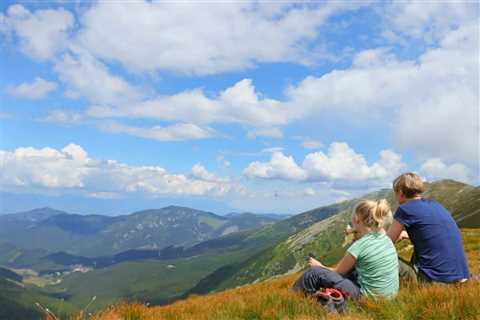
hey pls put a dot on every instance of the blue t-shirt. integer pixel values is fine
(436, 238)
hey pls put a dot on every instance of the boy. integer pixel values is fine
(438, 247)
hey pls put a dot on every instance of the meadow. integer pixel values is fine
(273, 299)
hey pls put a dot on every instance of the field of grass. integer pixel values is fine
(272, 299)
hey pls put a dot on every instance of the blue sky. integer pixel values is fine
(111, 107)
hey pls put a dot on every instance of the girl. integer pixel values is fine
(372, 256)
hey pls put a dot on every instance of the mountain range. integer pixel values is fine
(96, 235)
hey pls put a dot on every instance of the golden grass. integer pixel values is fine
(272, 299)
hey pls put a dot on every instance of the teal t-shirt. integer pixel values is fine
(376, 265)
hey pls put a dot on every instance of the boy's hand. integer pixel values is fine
(403, 236)
(314, 262)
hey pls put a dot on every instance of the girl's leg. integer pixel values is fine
(317, 277)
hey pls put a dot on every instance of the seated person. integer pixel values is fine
(372, 255)
(438, 247)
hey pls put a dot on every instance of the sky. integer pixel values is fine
(115, 106)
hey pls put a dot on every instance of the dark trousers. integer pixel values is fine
(316, 278)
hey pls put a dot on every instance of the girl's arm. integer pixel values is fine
(343, 267)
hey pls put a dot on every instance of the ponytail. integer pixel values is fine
(373, 214)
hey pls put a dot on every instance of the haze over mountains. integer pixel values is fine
(165, 254)
(96, 235)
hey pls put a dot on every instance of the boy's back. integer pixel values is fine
(438, 244)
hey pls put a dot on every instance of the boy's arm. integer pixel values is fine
(395, 231)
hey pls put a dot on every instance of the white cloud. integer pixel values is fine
(439, 90)
(175, 132)
(237, 104)
(343, 163)
(279, 167)
(430, 103)
(28, 169)
(37, 89)
(434, 169)
(88, 78)
(194, 38)
(45, 167)
(41, 34)
(428, 20)
(265, 132)
(340, 164)
(199, 172)
(64, 117)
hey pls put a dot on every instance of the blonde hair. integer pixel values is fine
(373, 214)
(410, 184)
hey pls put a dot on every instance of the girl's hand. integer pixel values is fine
(314, 262)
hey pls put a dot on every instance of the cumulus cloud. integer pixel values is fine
(439, 90)
(427, 20)
(223, 37)
(41, 34)
(45, 167)
(432, 101)
(237, 104)
(37, 89)
(434, 169)
(279, 167)
(340, 164)
(200, 172)
(28, 169)
(175, 132)
(86, 77)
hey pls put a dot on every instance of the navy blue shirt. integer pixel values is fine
(436, 238)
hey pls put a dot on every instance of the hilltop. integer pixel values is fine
(324, 237)
(272, 299)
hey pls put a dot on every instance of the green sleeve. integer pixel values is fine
(356, 248)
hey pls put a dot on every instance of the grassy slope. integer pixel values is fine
(272, 299)
(157, 282)
(323, 238)
(17, 301)
(152, 281)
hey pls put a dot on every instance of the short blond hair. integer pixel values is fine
(409, 184)
(373, 213)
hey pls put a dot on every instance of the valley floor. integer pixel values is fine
(272, 299)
